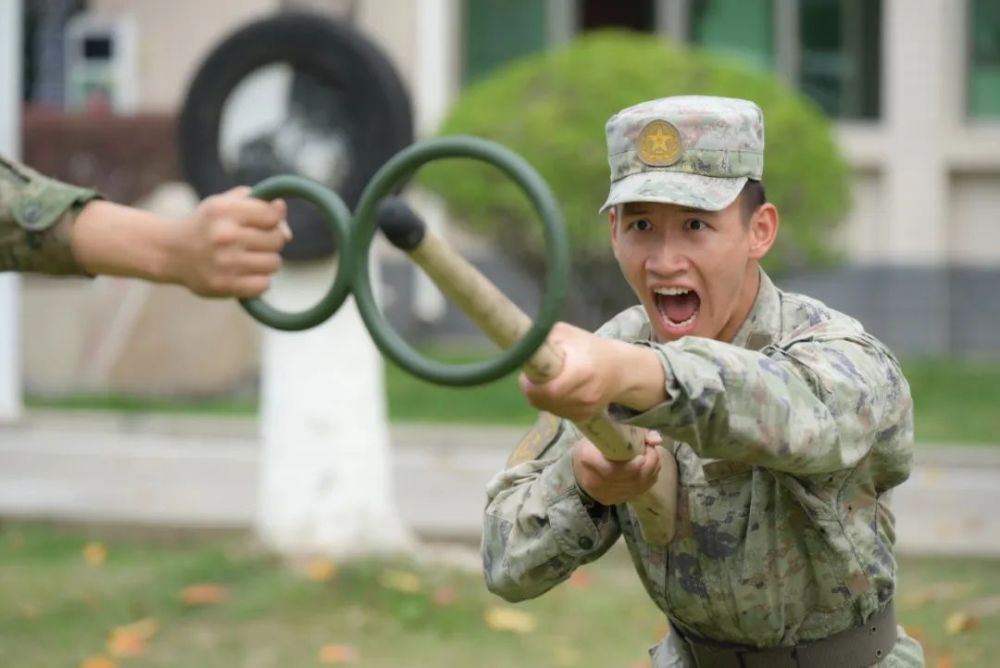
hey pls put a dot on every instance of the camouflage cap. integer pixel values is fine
(690, 150)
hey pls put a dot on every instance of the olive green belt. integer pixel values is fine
(857, 647)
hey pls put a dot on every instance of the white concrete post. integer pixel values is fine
(10, 284)
(325, 485)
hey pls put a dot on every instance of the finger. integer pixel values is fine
(248, 211)
(251, 286)
(238, 191)
(651, 463)
(653, 438)
(286, 230)
(254, 239)
(250, 263)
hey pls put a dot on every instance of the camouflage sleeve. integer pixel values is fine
(812, 406)
(36, 215)
(536, 528)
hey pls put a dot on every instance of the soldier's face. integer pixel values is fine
(695, 272)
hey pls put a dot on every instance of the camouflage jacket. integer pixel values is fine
(787, 442)
(36, 215)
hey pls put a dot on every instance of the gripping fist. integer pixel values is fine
(609, 482)
(229, 246)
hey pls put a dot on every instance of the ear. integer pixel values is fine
(763, 230)
(613, 226)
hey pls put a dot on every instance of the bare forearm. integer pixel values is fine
(638, 376)
(228, 247)
(117, 240)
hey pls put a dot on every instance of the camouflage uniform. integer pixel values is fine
(787, 440)
(36, 216)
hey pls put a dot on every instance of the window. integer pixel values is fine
(984, 70)
(829, 48)
(634, 14)
(840, 64)
(740, 28)
(497, 31)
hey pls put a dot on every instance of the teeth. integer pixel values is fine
(672, 292)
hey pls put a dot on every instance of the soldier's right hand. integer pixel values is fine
(609, 482)
(229, 246)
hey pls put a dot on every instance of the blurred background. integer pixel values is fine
(132, 416)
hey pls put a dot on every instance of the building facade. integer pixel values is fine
(912, 85)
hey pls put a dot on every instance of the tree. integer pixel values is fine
(551, 108)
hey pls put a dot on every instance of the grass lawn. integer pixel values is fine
(954, 402)
(63, 601)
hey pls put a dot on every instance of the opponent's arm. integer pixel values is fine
(229, 246)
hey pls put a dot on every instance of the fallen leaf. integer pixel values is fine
(145, 628)
(131, 639)
(95, 554)
(98, 662)
(203, 594)
(960, 622)
(641, 664)
(321, 570)
(404, 581)
(27, 611)
(334, 653)
(124, 644)
(581, 579)
(945, 662)
(564, 655)
(444, 596)
(506, 619)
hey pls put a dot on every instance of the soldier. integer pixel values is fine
(789, 422)
(227, 248)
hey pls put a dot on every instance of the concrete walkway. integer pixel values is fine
(202, 471)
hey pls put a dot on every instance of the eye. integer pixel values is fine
(641, 225)
(696, 225)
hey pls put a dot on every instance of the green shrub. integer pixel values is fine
(551, 108)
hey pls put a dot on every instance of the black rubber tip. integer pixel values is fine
(400, 224)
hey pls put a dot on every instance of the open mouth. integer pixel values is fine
(678, 308)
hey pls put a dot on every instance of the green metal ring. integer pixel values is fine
(339, 217)
(394, 172)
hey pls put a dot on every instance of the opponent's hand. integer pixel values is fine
(596, 371)
(609, 482)
(229, 246)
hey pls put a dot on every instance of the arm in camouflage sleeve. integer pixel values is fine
(536, 527)
(813, 406)
(36, 217)
(228, 247)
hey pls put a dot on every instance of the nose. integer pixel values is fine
(668, 260)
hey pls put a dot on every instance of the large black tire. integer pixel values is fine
(376, 117)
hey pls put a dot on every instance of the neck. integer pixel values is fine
(746, 301)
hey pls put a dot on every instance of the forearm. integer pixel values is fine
(807, 409)
(639, 382)
(117, 240)
(536, 529)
